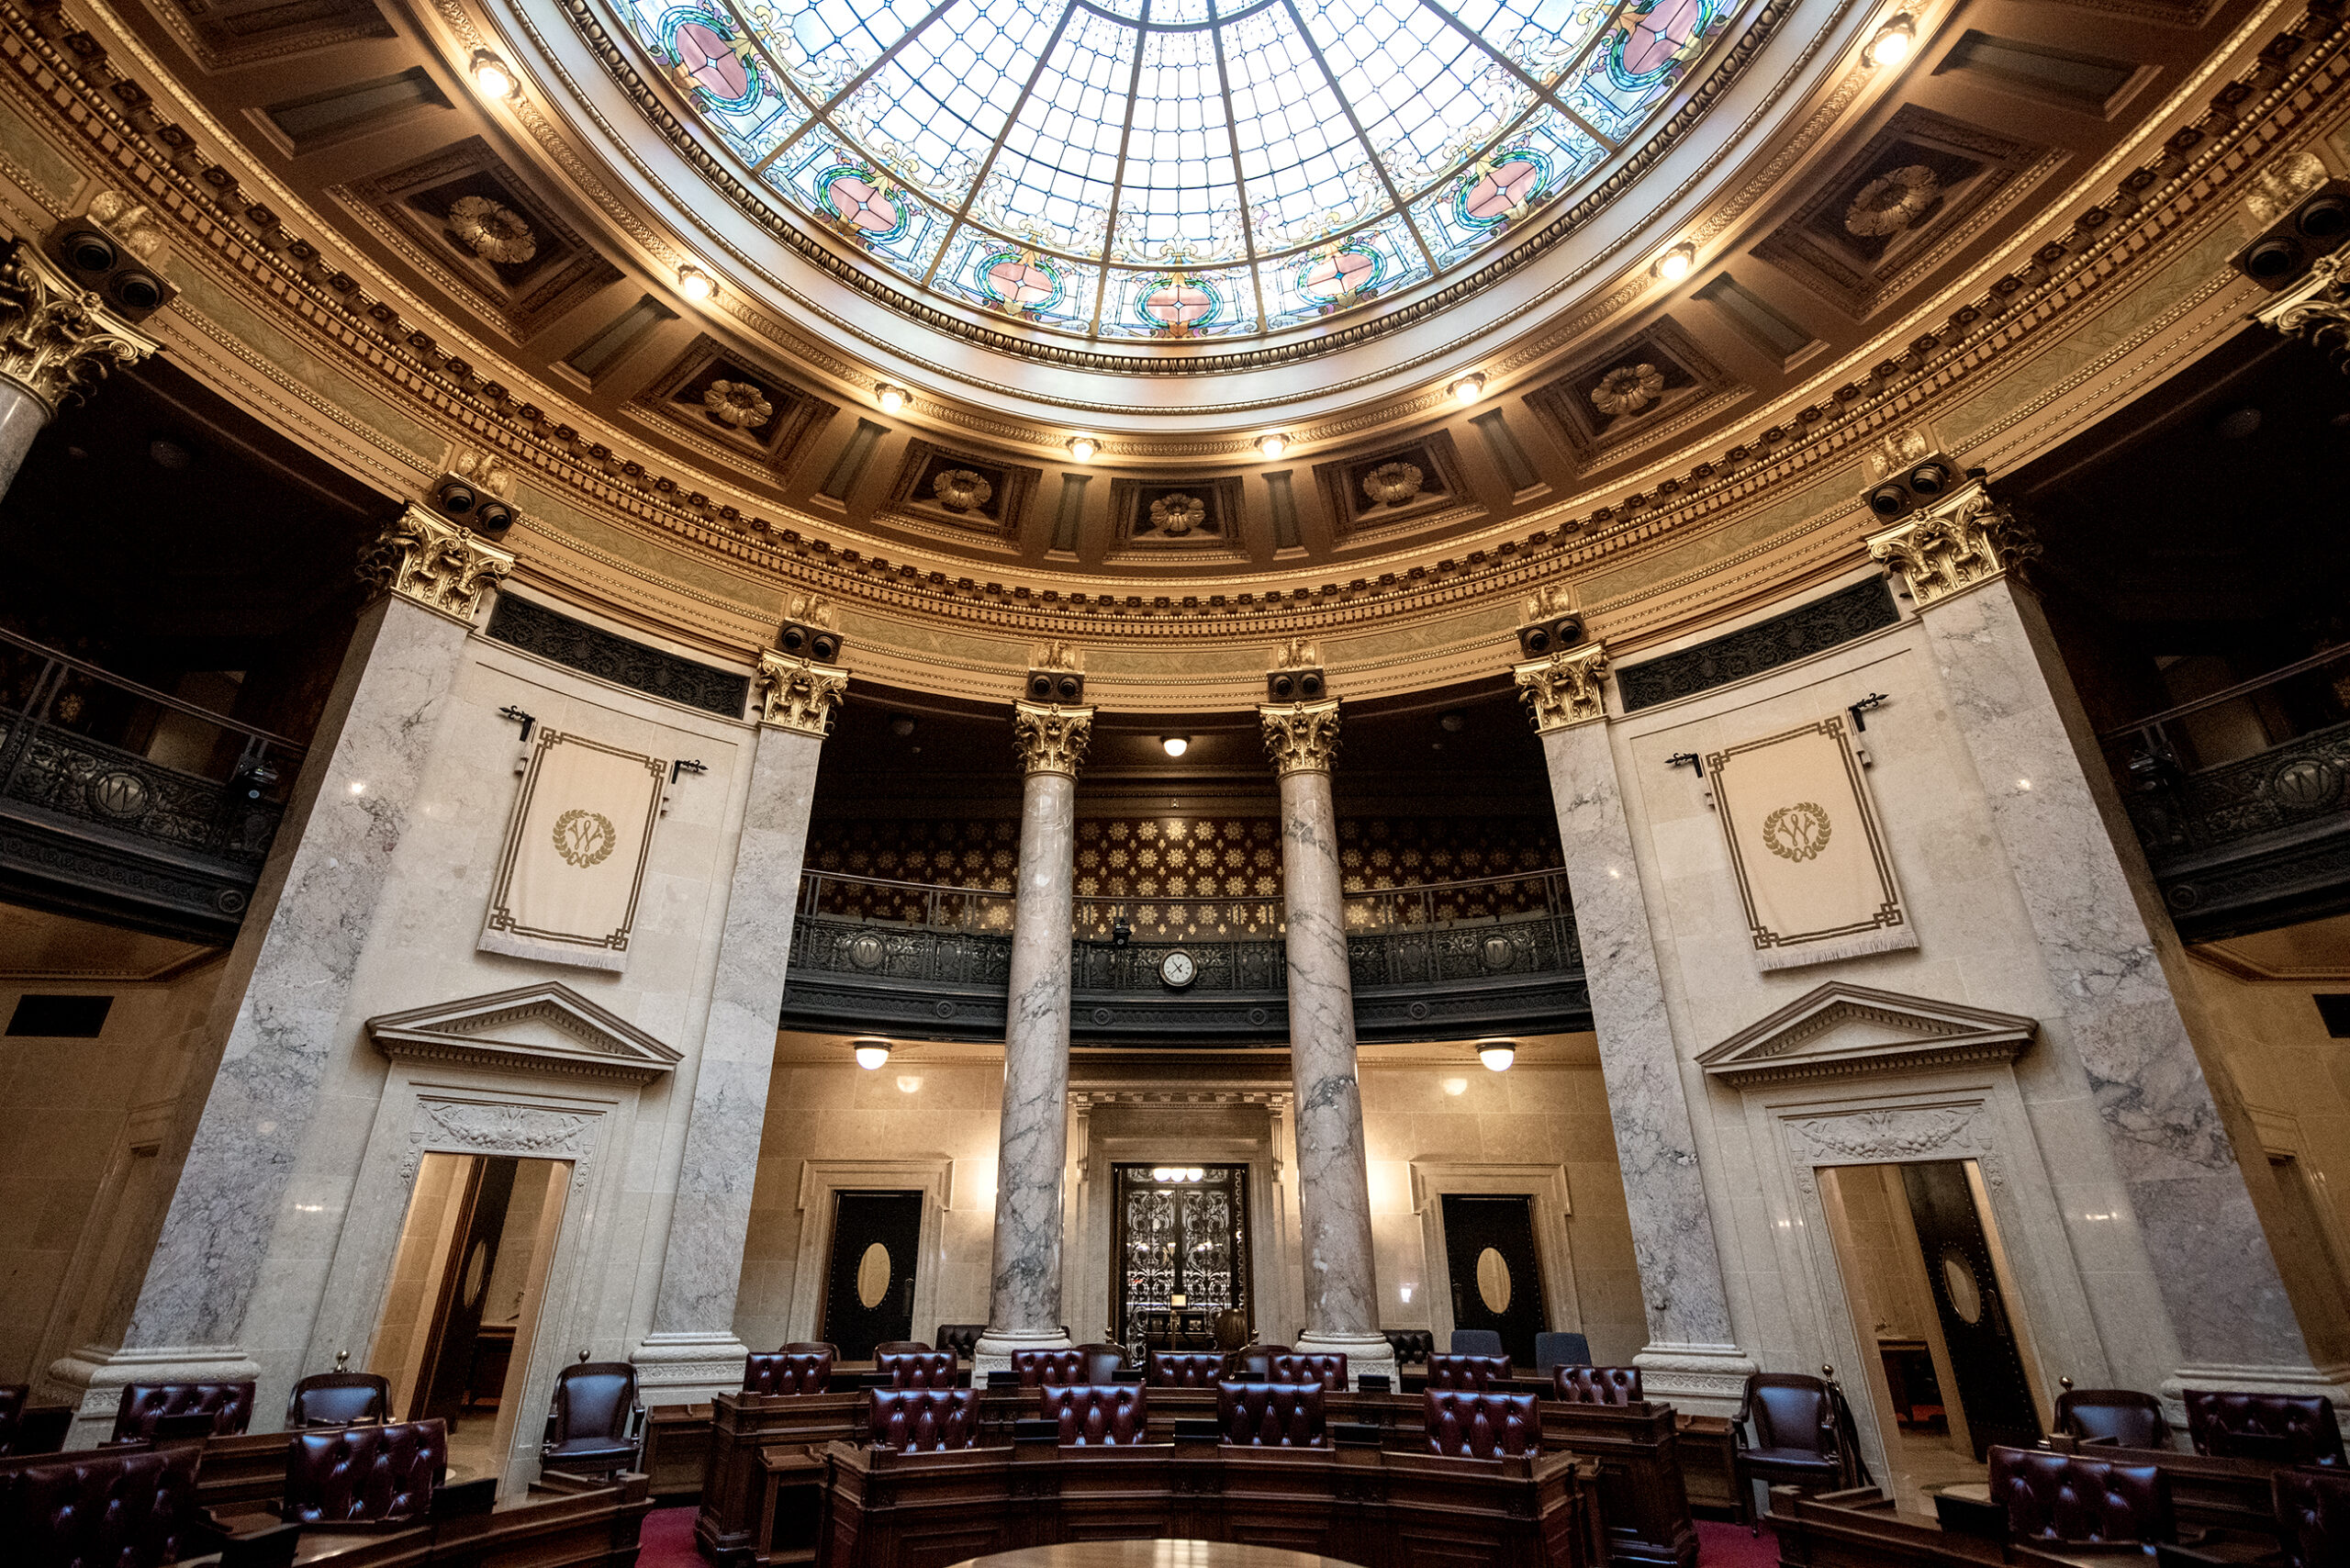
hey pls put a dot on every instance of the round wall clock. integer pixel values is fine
(1178, 969)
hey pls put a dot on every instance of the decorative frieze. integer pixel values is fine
(1049, 737)
(1301, 737)
(799, 694)
(440, 566)
(1969, 539)
(1564, 689)
(1798, 633)
(57, 341)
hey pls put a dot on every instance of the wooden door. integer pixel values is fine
(1496, 1271)
(869, 1286)
(464, 1289)
(1984, 1355)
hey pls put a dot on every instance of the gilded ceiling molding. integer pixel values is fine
(1965, 541)
(1049, 737)
(423, 557)
(57, 340)
(799, 694)
(1563, 690)
(1301, 737)
(2317, 308)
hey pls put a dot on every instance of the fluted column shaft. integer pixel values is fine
(1025, 1286)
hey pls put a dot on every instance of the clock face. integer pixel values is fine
(1176, 969)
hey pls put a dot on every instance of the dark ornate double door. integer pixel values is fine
(1179, 1255)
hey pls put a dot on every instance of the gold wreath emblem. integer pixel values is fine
(1797, 833)
(585, 838)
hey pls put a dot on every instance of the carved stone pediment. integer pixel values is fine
(1843, 1030)
(546, 1027)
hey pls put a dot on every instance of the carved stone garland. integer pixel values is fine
(57, 341)
(526, 1132)
(1967, 539)
(796, 694)
(1049, 737)
(1302, 737)
(440, 566)
(1564, 689)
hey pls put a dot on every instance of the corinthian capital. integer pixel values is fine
(435, 562)
(798, 694)
(1301, 737)
(2316, 306)
(1050, 738)
(1563, 690)
(1965, 540)
(57, 340)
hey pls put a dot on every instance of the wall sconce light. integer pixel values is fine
(1083, 447)
(1272, 445)
(1470, 387)
(695, 283)
(491, 75)
(889, 398)
(1893, 42)
(1176, 745)
(1497, 1055)
(1675, 264)
(872, 1055)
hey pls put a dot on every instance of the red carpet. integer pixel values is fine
(669, 1543)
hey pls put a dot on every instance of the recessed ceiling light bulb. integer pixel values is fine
(1272, 445)
(871, 1055)
(1470, 387)
(890, 398)
(1082, 448)
(492, 77)
(1675, 264)
(1497, 1055)
(1176, 745)
(1891, 45)
(695, 283)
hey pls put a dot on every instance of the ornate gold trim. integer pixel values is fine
(440, 566)
(1049, 737)
(1301, 737)
(1963, 541)
(1563, 690)
(799, 694)
(2317, 307)
(57, 340)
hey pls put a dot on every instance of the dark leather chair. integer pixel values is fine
(917, 1369)
(925, 1420)
(231, 1405)
(1466, 1371)
(120, 1510)
(787, 1372)
(370, 1474)
(2071, 1498)
(899, 1347)
(1098, 1414)
(2123, 1418)
(1183, 1369)
(1477, 1342)
(1328, 1368)
(1254, 1363)
(1801, 1437)
(38, 1429)
(1231, 1330)
(1270, 1414)
(595, 1425)
(1480, 1424)
(2283, 1429)
(1594, 1385)
(962, 1339)
(809, 1348)
(1560, 1349)
(1103, 1363)
(338, 1399)
(1412, 1346)
(1047, 1368)
(2312, 1516)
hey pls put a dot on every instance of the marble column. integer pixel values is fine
(291, 970)
(1333, 1179)
(692, 1352)
(1691, 1356)
(2103, 939)
(1025, 1286)
(57, 341)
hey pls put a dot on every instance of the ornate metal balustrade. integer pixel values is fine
(91, 822)
(921, 961)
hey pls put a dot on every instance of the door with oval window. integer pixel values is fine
(869, 1287)
(1496, 1273)
(1983, 1353)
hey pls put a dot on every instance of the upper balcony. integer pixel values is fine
(1446, 961)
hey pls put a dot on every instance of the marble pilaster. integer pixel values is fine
(1024, 1284)
(2057, 825)
(1333, 1175)
(692, 1351)
(57, 341)
(291, 972)
(1691, 1356)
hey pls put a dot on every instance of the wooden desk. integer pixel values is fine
(1375, 1507)
(591, 1529)
(1150, 1554)
(1864, 1529)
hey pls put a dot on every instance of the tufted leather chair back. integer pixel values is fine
(925, 1420)
(1791, 1410)
(897, 1348)
(1254, 1363)
(1048, 1367)
(231, 1405)
(962, 1339)
(1479, 1424)
(2284, 1428)
(1412, 1346)
(2313, 1517)
(1328, 1368)
(1466, 1371)
(1099, 1414)
(811, 1348)
(2067, 1497)
(338, 1399)
(787, 1372)
(593, 1400)
(917, 1369)
(100, 1510)
(2123, 1416)
(1595, 1385)
(1184, 1369)
(365, 1474)
(1269, 1415)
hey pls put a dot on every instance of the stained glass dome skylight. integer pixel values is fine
(1173, 169)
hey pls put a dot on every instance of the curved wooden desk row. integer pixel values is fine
(765, 1476)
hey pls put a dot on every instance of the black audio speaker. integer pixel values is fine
(1296, 685)
(1064, 686)
(2318, 227)
(105, 266)
(1540, 639)
(1899, 494)
(820, 643)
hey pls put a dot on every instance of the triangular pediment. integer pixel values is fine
(1841, 1029)
(547, 1027)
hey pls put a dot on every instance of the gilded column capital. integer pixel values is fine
(1049, 737)
(2316, 306)
(1563, 690)
(1965, 541)
(799, 694)
(1301, 737)
(57, 339)
(432, 561)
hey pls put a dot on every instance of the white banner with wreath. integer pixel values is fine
(573, 865)
(1808, 849)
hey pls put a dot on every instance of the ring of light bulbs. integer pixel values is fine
(1177, 1173)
